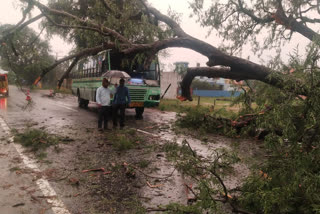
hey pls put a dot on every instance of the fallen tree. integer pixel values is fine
(135, 28)
(237, 68)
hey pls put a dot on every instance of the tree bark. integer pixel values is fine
(66, 74)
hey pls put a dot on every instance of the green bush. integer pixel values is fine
(35, 139)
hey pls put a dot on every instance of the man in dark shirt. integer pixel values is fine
(120, 100)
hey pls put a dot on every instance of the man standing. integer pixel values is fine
(120, 100)
(103, 101)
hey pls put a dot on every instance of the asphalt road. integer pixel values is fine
(22, 189)
(28, 185)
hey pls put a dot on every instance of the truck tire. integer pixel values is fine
(139, 113)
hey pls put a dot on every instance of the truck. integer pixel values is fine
(4, 86)
(143, 84)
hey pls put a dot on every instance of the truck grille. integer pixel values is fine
(137, 94)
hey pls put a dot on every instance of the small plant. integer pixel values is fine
(207, 173)
(13, 169)
(144, 163)
(41, 155)
(122, 143)
(125, 140)
(37, 141)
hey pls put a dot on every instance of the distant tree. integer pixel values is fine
(25, 54)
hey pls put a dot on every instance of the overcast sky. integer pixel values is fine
(10, 13)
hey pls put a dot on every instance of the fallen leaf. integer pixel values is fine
(154, 186)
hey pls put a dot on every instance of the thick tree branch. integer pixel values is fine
(240, 69)
(66, 74)
(292, 24)
(85, 52)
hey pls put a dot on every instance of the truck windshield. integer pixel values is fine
(139, 72)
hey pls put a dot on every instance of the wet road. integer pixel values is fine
(23, 189)
(23, 182)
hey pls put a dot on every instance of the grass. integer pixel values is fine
(144, 163)
(37, 141)
(213, 103)
(13, 169)
(63, 91)
(125, 140)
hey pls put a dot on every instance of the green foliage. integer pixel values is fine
(12, 77)
(199, 118)
(208, 172)
(289, 181)
(36, 140)
(125, 140)
(252, 23)
(24, 54)
(139, 27)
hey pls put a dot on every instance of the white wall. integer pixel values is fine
(167, 78)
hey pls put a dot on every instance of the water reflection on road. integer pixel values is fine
(3, 103)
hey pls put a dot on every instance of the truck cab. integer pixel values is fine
(4, 86)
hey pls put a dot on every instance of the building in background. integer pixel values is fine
(170, 84)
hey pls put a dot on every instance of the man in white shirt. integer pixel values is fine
(103, 101)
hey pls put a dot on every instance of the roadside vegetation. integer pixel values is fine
(37, 141)
(125, 139)
(209, 103)
(288, 179)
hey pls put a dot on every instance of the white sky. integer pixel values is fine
(10, 13)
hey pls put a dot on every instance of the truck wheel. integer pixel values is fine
(82, 103)
(139, 112)
(85, 103)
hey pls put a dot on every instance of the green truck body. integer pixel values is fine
(141, 95)
(144, 85)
